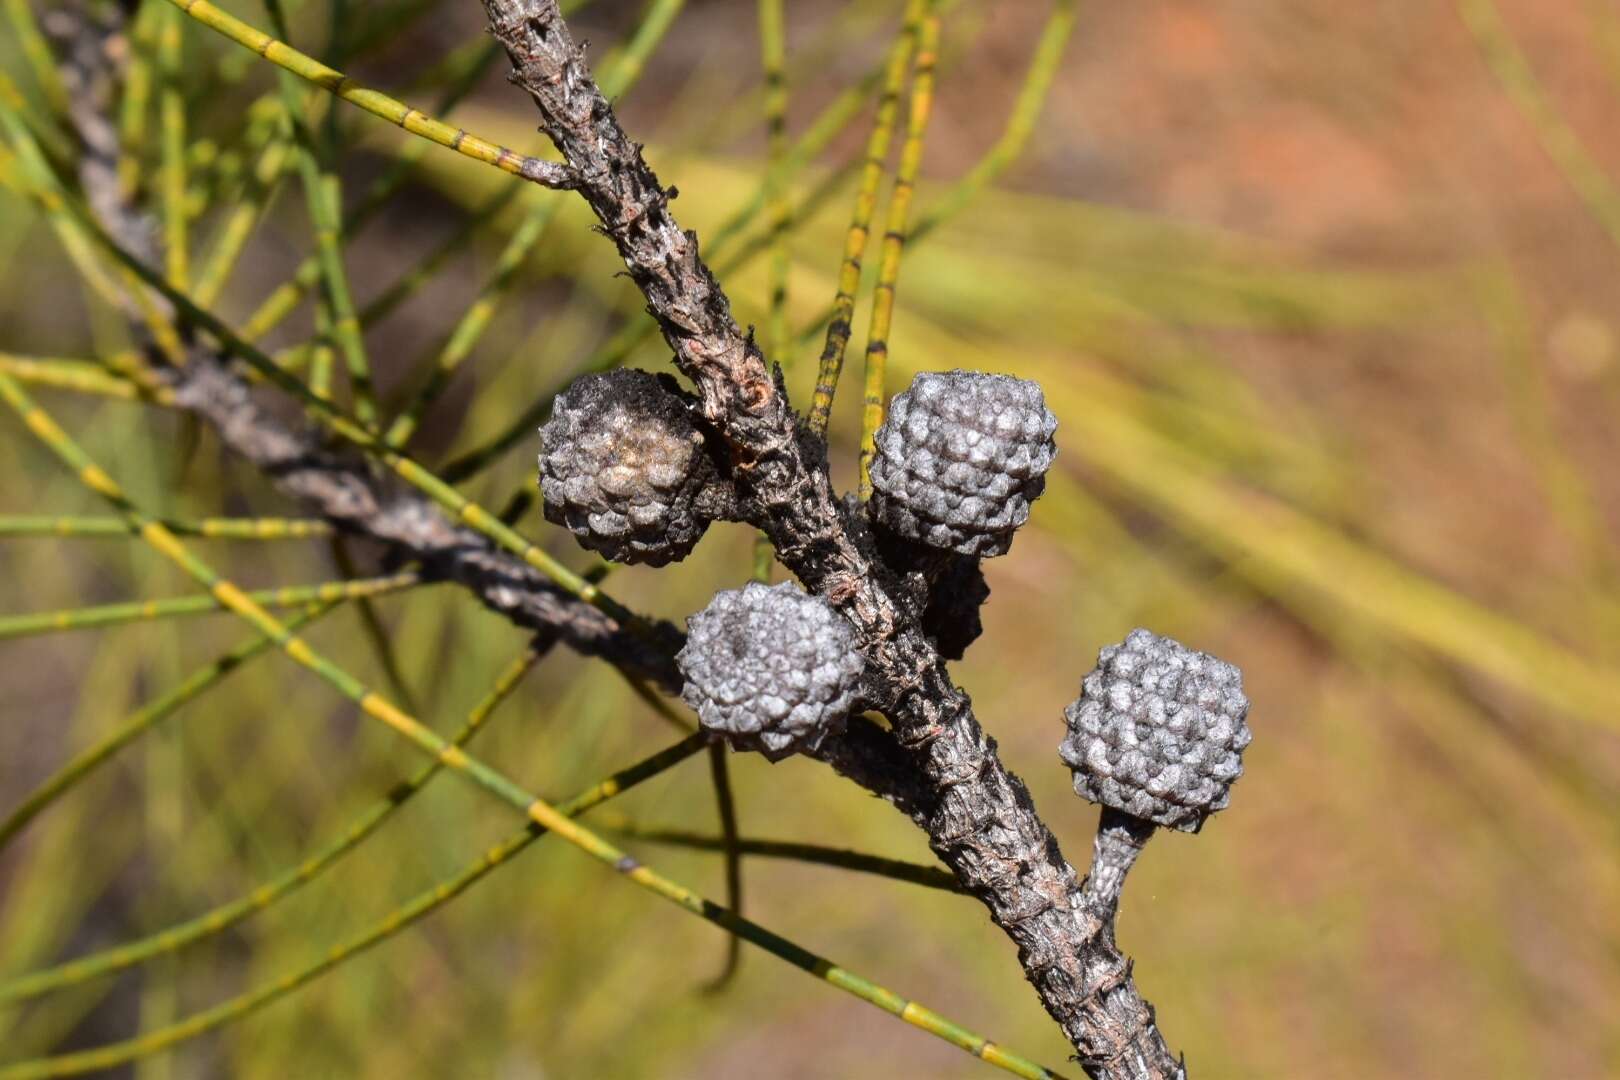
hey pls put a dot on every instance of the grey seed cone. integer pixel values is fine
(960, 457)
(1158, 731)
(622, 467)
(770, 668)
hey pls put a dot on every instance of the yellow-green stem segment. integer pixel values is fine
(894, 239)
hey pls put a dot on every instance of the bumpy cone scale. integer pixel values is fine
(959, 458)
(625, 469)
(1158, 731)
(770, 668)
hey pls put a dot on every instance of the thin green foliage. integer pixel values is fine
(1036, 86)
(619, 75)
(172, 129)
(378, 104)
(35, 50)
(860, 226)
(137, 724)
(323, 199)
(894, 239)
(400, 919)
(224, 916)
(288, 596)
(932, 877)
(16, 525)
(284, 299)
(81, 377)
(1507, 62)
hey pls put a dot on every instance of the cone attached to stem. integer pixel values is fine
(770, 668)
(959, 458)
(625, 469)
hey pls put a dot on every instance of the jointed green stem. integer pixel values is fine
(239, 223)
(465, 510)
(24, 169)
(137, 96)
(320, 353)
(1557, 138)
(933, 877)
(172, 125)
(291, 596)
(285, 297)
(229, 914)
(726, 806)
(470, 328)
(613, 352)
(817, 137)
(81, 377)
(13, 525)
(894, 239)
(1032, 94)
(322, 196)
(141, 721)
(378, 104)
(423, 904)
(413, 279)
(619, 74)
(230, 596)
(51, 139)
(831, 366)
(37, 54)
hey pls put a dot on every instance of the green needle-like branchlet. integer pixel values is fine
(141, 721)
(232, 237)
(172, 147)
(375, 102)
(620, 73)
(291, 596)
(1015, 133)
(538, 811)
(396, 921)
(81, 377)
(933, 877)
(136, 101)
(232, 912)
(463, 509)
(37, 53)
(70, 527)
(1560, 141)
(894, 240)
(322, 197)
(51, 139)
(284, 299)
(831, 365)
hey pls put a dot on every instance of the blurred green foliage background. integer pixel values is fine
(1323, 298)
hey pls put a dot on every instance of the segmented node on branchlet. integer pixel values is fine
(770, 668)
(960, 457)
(623, 466)
(1158, 731)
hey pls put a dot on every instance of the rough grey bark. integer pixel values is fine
(983, 826)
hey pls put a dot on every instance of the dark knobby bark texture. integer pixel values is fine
(982, 823)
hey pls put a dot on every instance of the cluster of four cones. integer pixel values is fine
(1157, 733)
